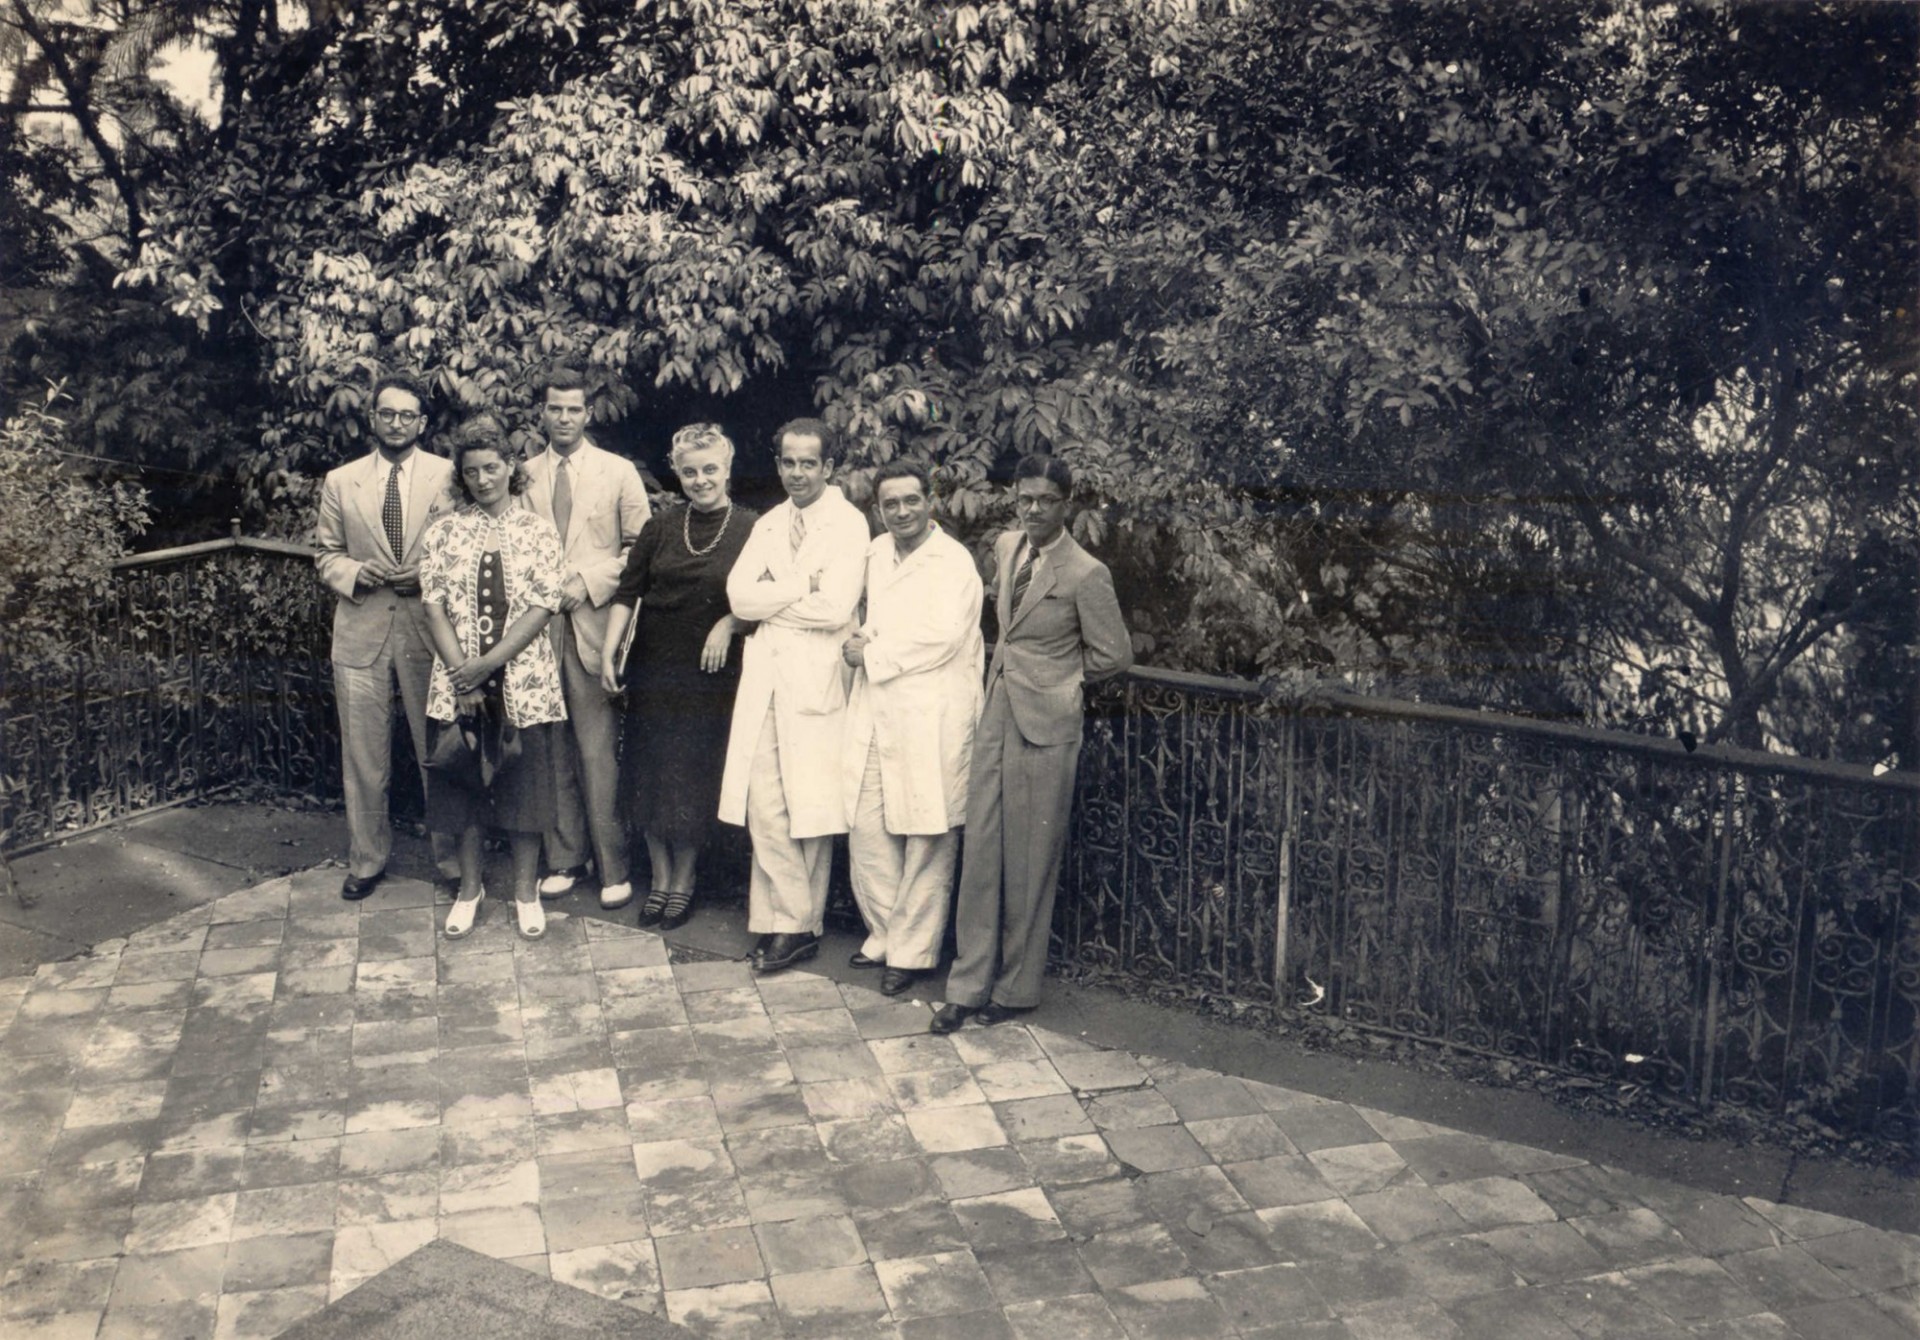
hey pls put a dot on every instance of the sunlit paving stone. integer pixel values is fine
(735, 1310)
(785, 1156)
(914, 1052)
(1094, 1071)
(930, 1090)
(868, 1139)
(1068, 1159)
(980, 1172)
(1004, 1081)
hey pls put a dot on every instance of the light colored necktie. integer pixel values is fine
(562, 498)
(797, 532)
(392, 519)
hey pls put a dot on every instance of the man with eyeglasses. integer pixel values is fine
(597, 505)
(1060, 627)
(373, 512)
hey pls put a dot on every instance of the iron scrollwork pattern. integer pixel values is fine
(1715, 930)
(206, 670)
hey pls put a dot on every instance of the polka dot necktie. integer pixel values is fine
(391, 518)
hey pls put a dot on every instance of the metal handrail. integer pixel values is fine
(1325, 696)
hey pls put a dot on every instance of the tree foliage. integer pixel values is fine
(60, 532)
(1554, 357)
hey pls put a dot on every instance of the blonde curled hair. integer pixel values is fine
(699, 437)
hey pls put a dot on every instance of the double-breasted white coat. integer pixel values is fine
(791, 665)
(919, 696)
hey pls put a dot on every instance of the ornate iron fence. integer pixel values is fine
(208, 669)
(1724, 927)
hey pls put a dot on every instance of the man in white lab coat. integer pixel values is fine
(799, 579)
(919, 662)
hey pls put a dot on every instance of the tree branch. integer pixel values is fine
(89, 123)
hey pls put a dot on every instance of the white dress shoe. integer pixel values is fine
(558, 886)
(615, 895)
(530, 917)
(460, 916)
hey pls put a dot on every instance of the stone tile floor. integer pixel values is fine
(221, 1123)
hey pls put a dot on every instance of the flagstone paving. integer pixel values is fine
(221, 1123)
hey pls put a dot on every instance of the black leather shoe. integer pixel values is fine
(785, 950)
(860, 960)
(994, 1013)
(948, 1018)
(355, 887)
(895, 980)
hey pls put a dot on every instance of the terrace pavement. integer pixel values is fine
(221, 1123)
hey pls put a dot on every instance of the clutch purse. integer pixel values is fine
(473, 750)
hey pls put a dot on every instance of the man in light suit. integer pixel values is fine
(910, 724)
(597, 505)
(1060, 626)
(373, 512)
(799, 579)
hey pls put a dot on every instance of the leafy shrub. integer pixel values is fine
(60, 533)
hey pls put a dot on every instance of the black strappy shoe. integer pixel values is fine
(655, 907)
(679, 908)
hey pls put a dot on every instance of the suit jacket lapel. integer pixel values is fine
(1044, 577)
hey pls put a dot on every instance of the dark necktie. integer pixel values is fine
(1022, 580)
(391, 519)
(562, 498)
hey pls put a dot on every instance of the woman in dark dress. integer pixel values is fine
(683, 666)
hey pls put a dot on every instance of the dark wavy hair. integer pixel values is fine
(483, 432)
(905, 467)
(829, 437)
(1041, 466)
(400, 381)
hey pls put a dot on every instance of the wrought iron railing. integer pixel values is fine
(1720, 926)
(207, 670)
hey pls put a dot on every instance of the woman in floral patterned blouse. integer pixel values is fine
(490, 581)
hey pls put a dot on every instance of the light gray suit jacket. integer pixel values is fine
(609, 508)
(1068, 630)
(349, 532)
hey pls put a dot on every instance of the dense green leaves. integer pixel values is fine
(1555, 358)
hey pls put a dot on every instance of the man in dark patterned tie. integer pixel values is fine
(1060, 627)
(373, 512)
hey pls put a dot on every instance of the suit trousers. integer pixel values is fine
(787, 891)
(364, 695)
(586, 770)
(1019, 801)
(902, 883)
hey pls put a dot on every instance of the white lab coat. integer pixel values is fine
(919, 696)
(791, 664)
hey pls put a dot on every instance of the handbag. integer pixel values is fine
(474, 749)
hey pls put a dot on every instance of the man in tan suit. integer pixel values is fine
(1060, 626)
(373, 512)
(597, 505)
